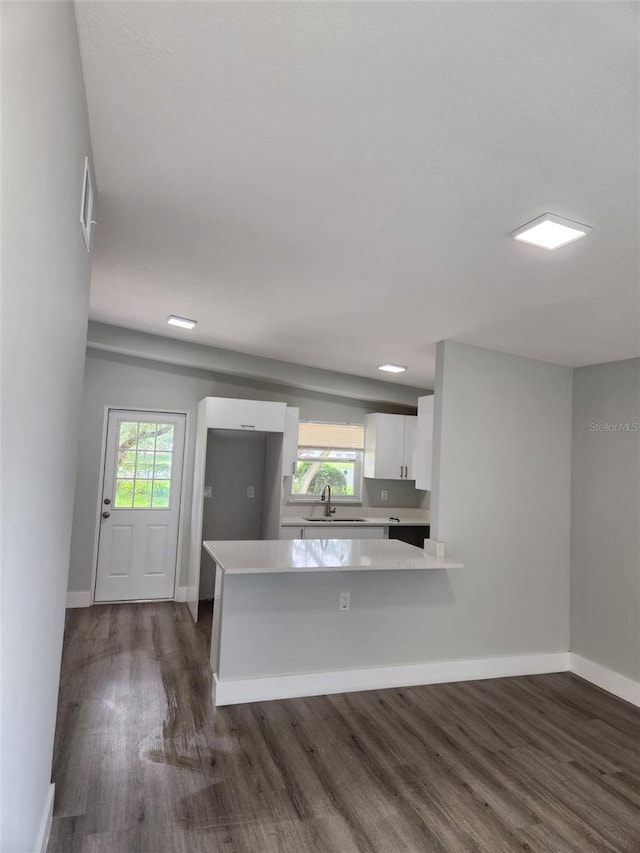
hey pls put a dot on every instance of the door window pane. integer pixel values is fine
(142, 493)
(128, 434)
(124, 494)
(163, 466)
(127, 464)
(164, 440)
(143, 465)
(161, 489)
(147, 436)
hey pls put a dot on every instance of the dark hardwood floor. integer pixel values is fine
(144, 763)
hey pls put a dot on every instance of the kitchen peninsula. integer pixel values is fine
(277, 627)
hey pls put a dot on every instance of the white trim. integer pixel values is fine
(609, 680)
(237, 691)
(42, 839)
(181, 512)
(79, 599)
(181, 593)
(96, 532)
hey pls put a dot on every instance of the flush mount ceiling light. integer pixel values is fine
(550, 231)
(182, 322)
(392, 368)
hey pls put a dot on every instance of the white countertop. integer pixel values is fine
(266, 556)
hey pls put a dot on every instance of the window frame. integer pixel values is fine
(358, 472)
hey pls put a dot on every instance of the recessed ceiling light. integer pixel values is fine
(181, 321)
(392, 368)
(550, 231)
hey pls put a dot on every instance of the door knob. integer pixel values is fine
(106, 514)
(107, 501)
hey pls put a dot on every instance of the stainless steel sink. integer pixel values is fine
(336, 520)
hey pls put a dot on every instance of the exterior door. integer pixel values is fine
(140, 508)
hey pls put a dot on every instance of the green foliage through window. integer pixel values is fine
(328, 454)
(143, 474)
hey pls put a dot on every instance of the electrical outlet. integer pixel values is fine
(251, 492)
(345, 601)
(384, 495)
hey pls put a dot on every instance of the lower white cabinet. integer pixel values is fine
(333, 531)
(292, 532)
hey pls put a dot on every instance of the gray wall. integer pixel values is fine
(235, 460)
(400, 493)
(605, 548)
(501, 500)
(119, 380)
(45, 288)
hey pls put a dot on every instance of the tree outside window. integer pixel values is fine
(329, 454)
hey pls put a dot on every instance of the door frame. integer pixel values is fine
(181, 514)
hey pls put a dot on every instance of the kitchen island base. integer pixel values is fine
(278, 630)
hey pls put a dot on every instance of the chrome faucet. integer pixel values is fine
(326, 496)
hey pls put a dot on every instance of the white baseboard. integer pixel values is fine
(79, 599)
(620, 685)
(45, 823)
(238, 691)
(181, 593)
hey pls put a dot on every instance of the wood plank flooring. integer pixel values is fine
(144, 764)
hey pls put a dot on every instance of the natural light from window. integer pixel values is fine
(329, 454)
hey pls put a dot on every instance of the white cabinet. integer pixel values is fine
(333, 531)
(290, 441)
(253, 415)
(424, 443)
(389, 442)
(292, 532)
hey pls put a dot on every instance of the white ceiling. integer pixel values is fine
(333, 184)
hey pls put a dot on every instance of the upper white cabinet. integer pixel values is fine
(389, 446)
(290, 441)
(424, 443)
(253, 415)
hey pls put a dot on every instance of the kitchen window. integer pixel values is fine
(328, 454)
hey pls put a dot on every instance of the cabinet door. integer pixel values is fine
(355, 532)
(424, 443)
(250, 415)
(290, 442)
(289, 532)
(384, 447)
(409, 453)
